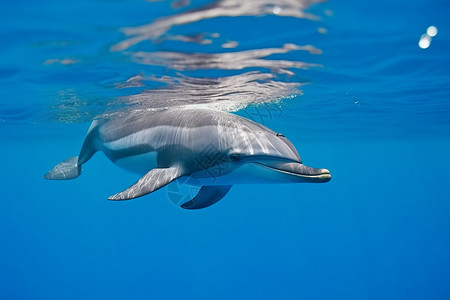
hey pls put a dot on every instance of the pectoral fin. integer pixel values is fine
(207, 196)
(150, 182)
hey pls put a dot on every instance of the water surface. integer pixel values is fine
(347, 83)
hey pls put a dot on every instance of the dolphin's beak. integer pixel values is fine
(312, 174)
(303, 172)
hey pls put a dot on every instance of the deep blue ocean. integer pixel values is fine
(360, 88)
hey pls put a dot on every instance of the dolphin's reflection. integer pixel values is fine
(220, 8)
(271, 83)
(226, 61)
(223, 93)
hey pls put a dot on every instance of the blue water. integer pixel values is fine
(376, 114)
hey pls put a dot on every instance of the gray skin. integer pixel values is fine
(214, 148)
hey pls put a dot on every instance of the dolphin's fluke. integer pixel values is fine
(150, 182)
(207, 196)
(67, 169)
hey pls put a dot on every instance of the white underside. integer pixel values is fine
(139, 164)
(252, 173)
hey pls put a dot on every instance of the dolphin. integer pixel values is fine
(210, 148)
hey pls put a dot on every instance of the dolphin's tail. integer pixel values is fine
(71, 167)
(67, 169)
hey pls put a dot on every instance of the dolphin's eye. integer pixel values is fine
(280, 135)
(234, 157)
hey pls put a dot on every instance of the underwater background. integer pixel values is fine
(360, 88)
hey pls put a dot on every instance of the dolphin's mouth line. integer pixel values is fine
(321, 175)
(324, 175)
